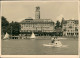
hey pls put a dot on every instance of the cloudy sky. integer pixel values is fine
(17, 11)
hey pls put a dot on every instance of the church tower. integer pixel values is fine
(37, 13)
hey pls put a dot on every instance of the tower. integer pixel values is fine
(37, 13)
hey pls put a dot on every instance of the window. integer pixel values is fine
(76, 33)
(64, 29)
(70, 26)
(67, 33)
(64, 24)
(72, 33)
(76, 29)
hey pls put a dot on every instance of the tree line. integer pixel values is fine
(12, 28)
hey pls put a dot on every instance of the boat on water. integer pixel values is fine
(55, 44)
(32, 36)
(6, 36)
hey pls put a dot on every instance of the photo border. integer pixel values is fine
(48, 56)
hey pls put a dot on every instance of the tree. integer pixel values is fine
(58, 24)
(14, 28)
(62, 22)
(8, 27)
(4, 24)
(4, 21)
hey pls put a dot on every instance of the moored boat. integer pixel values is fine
(6, 36)
(55, 44)
(33, 36)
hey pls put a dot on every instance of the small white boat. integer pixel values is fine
(6, 36)
(55, 44)
(33, 36)
(50, 44)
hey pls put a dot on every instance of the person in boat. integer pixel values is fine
(56, 39)
(53, 40)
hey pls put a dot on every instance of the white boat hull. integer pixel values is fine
(55, 44)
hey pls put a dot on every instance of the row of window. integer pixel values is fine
(72, 33)
(70, 30)
(70, 25)
(34, 26)
(36, 30)
(70, 21)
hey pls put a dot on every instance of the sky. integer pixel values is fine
(18, 11)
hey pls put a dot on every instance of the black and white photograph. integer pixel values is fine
(39, 28)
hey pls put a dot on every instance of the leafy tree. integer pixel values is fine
(14, 28)
(4, 24)
(11, 28)
(4, 21)
(58, 24)
(58, 29)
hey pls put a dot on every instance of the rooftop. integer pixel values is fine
(36, 21)
(66, 21)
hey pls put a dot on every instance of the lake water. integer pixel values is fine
(35, 47)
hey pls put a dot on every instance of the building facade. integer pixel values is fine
(38, 26)
(34, 25)
(70, 28)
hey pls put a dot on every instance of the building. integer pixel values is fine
(70, 28)
(34, 25)
(38, 26)
(37, 13)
